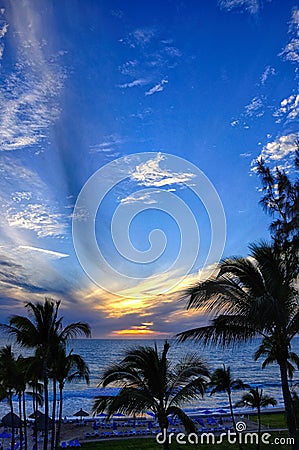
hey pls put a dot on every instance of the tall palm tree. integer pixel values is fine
(222, 381)
(8, 370)
(149, 381)
(44, 331)
(256, 399)
(69, 367)
(20, 388)
(34, 373)
(254, 296)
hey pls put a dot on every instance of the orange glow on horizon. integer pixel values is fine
(133, 332)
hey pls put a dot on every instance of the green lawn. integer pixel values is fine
(151, 444)
(275, 420)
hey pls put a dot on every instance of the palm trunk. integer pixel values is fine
(12, 420)
(53, 414)
(231, 411)
(163, 423)
(25, 421)
(59, 416)
(20, 414)
(34, 404)
(258, 427)
(46, 393)
(233, 418)
(288, 403)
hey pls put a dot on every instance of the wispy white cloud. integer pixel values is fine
(291, 50)
(250, 6)
(146, 198)
(50, 253)
(29, 94)
(157, 88)
(37, 218)
(27, 210)
(143, 35)
(289, 109)
(20, 196)
(255, 108)
(151, 174)
(234, 122)
(109, 145)
(158, 56)
(139, 37)
(129, 68)
(139, 197)
(278, 150)
(3, 30)
(134, 83)
(173, 52)
(269, 71)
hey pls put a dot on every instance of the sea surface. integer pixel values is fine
(98, 353)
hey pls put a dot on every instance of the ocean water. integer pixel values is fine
(98, 353)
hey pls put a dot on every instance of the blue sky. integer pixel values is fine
(161, 85)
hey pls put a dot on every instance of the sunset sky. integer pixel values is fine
(188, 94)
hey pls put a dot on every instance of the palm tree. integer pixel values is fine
(20, 388)
(256, 399)
(68, 368)
(268, 349)
(149, 381)
(8, 370)
(34, 373)
(222, 381)
(254, 296)
(44, 331)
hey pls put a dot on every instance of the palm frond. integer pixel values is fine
(182, 416)
(224, 330)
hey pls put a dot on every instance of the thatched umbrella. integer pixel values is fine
(81, 413)
(37, 413)
(41, 422)
(7, 420)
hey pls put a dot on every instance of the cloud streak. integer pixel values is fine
(37, 218)
(29, 95)
(151, 174)
(250, 6)
(291, 50)
(254, 108)
(50, 253)
(159, 87)
(269, 71)
(134, 83)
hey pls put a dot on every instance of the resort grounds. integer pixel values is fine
(127, 434)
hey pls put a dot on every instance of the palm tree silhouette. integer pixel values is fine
(222, 381)
(149, 381)
(256, 399)
(8, 371)
(44, 331)
(69, 367)
(269, 350)
(254, 296)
